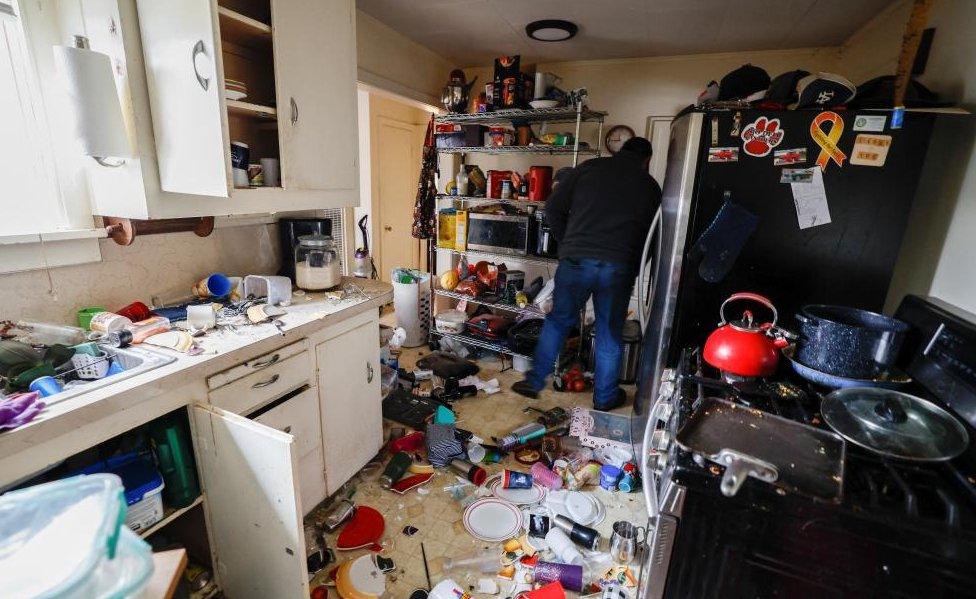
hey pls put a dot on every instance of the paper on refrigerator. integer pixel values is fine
(810, 200)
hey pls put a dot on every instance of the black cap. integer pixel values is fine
(743, 82)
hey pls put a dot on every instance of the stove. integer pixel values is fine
(899, 529)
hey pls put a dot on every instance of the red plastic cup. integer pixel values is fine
(135, 311)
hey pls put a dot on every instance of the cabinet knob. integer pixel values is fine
(387, 228)
(294, 111)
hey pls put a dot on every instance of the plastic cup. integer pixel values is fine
(46, 386)
(609, 475)
(553, 590)
(85, 316)
(216, 285)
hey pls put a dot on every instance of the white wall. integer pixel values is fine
(937, 255)
(390, 61)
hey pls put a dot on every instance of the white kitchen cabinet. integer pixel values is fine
(349, 395)
(315, 65)
(249, 475)
(171, 60)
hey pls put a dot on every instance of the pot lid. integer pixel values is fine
(894, 424)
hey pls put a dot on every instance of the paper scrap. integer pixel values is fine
(811, 202)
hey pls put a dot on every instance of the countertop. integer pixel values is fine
(149, 395)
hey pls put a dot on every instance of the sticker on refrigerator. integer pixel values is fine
(761, 136)
(723, 154)
(872, 123)
(796, 175)
(827, 138)
(870, 150)
(810, 200)
(791, 156)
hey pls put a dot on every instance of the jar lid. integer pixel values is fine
(317, 241)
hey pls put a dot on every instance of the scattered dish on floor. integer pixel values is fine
(517, 496)
(365, 529)
(360, 579)
(492, 520)
(411, 482)
(585, 508)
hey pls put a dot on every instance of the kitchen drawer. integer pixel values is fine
(259, 363)
(257, 389)
(311, 480)
(299, 417)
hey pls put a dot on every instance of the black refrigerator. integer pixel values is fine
(731, 221)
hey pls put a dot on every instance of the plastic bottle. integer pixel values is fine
(147, 328)
(174, 455)
(484, 561)
(395, 469)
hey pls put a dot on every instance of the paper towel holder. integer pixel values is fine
(81, 42)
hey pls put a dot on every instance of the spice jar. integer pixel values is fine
(316, 263)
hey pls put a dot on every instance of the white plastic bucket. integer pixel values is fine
(411, 302)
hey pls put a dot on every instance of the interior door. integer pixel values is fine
(186, 95)
(397, 164)
(315, 65)
(251, 491)
(352, 414)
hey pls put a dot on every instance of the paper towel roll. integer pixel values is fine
(94, 100)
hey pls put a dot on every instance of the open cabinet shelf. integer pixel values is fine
(243, 30)
(256, 111)
(171, 515)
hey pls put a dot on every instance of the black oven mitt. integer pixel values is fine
(720, 244)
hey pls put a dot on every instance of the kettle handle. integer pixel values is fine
(745, 295)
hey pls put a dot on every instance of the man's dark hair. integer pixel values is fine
(637, 146)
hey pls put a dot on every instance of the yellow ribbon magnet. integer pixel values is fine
(828, 141)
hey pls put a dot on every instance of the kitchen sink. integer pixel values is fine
(133, 360)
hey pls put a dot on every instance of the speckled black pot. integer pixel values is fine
(847, 341)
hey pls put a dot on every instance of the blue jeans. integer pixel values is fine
(610, 284)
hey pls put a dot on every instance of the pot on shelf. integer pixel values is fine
(848, 342)
(742, 348)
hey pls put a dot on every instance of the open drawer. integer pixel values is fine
(251, 475)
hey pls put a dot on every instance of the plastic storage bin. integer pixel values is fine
(143, 487)
(64, 539)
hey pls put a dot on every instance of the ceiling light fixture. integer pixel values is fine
(551, 30)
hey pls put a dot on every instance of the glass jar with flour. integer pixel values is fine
(317, 263)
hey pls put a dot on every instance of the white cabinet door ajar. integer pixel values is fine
(315, 68)
(249, 477)
(352, 413)
(185, 94)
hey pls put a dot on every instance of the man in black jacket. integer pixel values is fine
(600, 214)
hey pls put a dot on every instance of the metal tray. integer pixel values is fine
(789, 455)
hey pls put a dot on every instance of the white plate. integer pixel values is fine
(544, 103)
(517, 496)
(231, 94)
(491, 519)
(560, 503)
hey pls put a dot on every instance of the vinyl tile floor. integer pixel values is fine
(438, 517)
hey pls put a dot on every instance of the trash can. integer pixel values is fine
(411, 301)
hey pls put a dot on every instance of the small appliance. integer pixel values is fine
(289, 230)
(545, 243)
(540, 183)
(499, 233)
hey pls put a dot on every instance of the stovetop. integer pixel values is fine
(900, 529)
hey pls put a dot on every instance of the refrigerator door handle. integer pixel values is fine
(650, 477)
(645, 288)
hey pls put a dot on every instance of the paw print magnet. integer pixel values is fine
(761, 136)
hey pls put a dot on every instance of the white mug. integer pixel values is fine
(564, 549)
(272, 172)
(201, 317)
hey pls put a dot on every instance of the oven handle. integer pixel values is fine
(650, 490)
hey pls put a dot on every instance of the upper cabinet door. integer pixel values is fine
(185, 82)
(315, 65)
(248, 473)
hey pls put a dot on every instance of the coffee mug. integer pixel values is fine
(46, 386)
(201, 317)
(271, 169)
(240, 156)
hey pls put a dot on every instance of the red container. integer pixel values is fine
(540, 183)
(135, 311)
(495, 179)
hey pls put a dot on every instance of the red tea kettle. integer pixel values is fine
(743, 348)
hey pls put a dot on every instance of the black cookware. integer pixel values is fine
(847, 341)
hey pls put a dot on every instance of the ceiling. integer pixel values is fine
(473, 32)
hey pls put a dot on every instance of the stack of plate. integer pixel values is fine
(234, 89)
(493, 520)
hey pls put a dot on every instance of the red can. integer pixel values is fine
(540, 183)
(495, 179)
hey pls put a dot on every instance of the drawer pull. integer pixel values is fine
(265, 363)
(271, 381)
(369, 372)
(287, 429)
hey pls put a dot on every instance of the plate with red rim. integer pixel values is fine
(492, 520)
